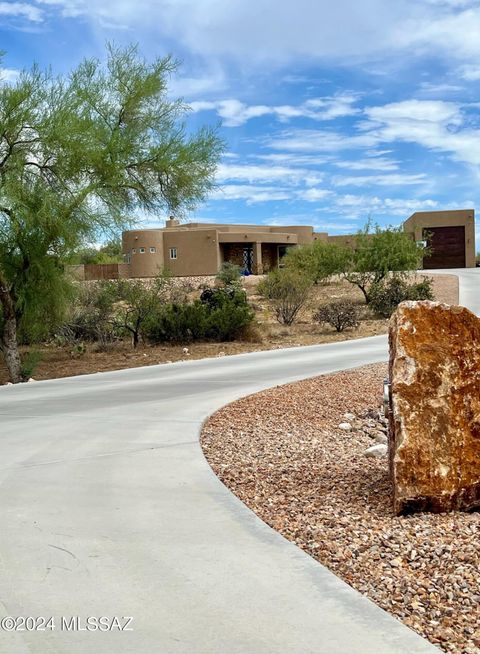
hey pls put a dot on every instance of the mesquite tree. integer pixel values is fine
(379, 252)
(78, 156)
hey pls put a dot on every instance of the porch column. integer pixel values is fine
(257, 267)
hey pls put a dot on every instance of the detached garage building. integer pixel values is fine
(449, 234)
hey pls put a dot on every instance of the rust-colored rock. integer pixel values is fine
(434, 430)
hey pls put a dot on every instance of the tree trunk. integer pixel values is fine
(365, 293)
(8, 337)
(135, 338)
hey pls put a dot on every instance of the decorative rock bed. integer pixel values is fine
(284, 454)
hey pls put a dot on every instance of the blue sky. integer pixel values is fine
(332, 111)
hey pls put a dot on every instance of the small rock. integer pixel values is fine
(345, 426)
(32, 379)
(381, 438)
(349, 416)
(378, 451)
(185, 350)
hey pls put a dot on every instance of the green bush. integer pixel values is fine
(178, 323)
(229, 273)
(288, 290)
(387, 294)
(30, 361)
(90, 317)
(379, 252)
(222, 315)
(319, 260)
(340, 315)
(216, 298)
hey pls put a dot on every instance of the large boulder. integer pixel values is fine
(434, 423)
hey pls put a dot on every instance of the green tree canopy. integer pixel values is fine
(110, 252)
(79, 155)
(318, 260)
(378, 252)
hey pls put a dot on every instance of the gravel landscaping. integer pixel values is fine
(283, 453)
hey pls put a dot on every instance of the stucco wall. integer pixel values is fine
(304, 232)
(462, 217)
(198, 252)
(144, 264)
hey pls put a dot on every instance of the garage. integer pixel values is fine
(447, 247)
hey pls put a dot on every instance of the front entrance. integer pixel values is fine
(241, 254)
(247, 259)
(448, 247)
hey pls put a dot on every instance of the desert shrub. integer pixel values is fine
(178, 323)
(340, 315)
(220, 316)
(387, 295)
(30, 361)
(135, 301)
(229, 273)
(228, 321)
(319, 260)
(216, 298)
(89, 319)
(288, 290)
(378, 252)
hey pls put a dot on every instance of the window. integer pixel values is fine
(173, 253)
(153, 250)
(141, 250)
(133, 250)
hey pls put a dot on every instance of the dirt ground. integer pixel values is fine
(58, 361)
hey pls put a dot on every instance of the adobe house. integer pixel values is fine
(198, 249)
(449, 234)
(195, 249)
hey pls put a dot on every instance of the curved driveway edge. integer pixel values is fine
(109, 508)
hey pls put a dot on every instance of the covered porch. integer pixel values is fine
(255, 253)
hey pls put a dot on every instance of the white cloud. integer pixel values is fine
(313, 194)
(189, 87)
(394, 205)
(369, 163)
(251, 193)
(309, 140)
(381, 180)
(299, 159)
(470, 72)
(21, 10)
(430, 111)
(278, 33)
(8, 75)
(235, 113)
(267, 174)
(433, 124)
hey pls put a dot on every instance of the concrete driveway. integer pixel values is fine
(108, 508)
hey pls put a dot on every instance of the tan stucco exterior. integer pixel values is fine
(197, 249)
(422, 221)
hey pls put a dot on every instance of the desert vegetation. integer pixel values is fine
(122, 323)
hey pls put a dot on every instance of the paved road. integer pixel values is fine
(108, 508)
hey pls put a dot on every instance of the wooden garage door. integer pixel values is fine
(448, 247)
